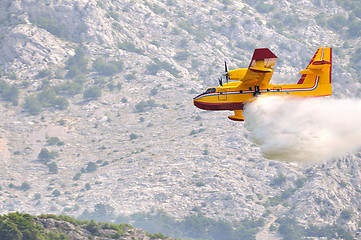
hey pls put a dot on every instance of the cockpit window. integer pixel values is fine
(211, 90)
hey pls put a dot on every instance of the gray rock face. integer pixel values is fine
(181, 158)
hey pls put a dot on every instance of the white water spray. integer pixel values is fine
(304, 129)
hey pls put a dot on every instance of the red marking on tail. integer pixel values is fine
(304, 75)
(263, 53)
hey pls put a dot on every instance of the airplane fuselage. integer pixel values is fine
(233, 97)
(249, 83)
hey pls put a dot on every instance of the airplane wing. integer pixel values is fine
(260, 69)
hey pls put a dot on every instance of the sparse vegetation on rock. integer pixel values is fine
(110, 84)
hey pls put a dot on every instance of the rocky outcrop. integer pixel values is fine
(168, 155)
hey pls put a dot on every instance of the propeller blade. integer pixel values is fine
(220, 82)
(226, 71)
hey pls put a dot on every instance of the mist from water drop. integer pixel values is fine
(308, 130)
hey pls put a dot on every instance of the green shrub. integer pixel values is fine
(337, 22)
(182, 56)
(56, 193)
(300, 182)
(145, 105)
(197, 32)
(153, 92)
(73, 71)
(130, 47)
(176, 31)
(32, 105)
(196, 226)
(193, 132)
(156, 8)
(130, 77)
(52, 140)
(92, 93)
(354, 28)
(156, 236)
(61, 103)
(107, 68)
(25, 186)
(133, 136)
(321, 19)
(200, 184)
(19, 226)
(113, 15)
(101, 213)
(93, 227)
(290, 229)
(47, 97)
(246, 45)
(91, 167)
(45, 155)
(69, 88)
(276, 200)
(343, 184)
(264, 7)
(105, 163)
(153, 68)
(346, 214)
(53, 167)
(77, 176)
(195, 63)
(279, 180)
(77, 64)
(291, 21)
(43, 73)
(9, 93)
(357, 11)
(117, 26)
(52, 26)
(37, 196)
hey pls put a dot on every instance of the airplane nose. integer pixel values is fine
(201, 105)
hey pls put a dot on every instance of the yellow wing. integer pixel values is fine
(260, 69)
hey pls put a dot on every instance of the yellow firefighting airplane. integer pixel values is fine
(254, 81)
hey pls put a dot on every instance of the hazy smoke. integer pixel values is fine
(305, 130)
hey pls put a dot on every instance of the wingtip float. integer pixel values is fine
(245, 85)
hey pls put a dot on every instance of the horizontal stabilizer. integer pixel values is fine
(317, 72)
(320, 66)
(260, 69)
(321, 62)
(263, 58)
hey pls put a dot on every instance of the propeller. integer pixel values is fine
(220, 82)
(226, 71)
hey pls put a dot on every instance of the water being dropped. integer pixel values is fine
(308, 130)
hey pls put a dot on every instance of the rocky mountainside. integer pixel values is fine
(97, 109)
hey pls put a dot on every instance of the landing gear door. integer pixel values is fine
(222, 96)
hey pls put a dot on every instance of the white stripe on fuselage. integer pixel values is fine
(264, 91)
